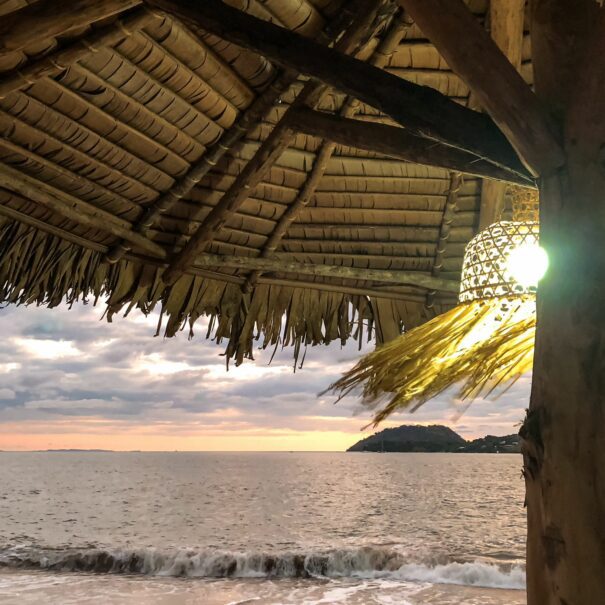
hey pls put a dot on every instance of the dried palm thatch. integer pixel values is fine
(480, 345)
(125, 130)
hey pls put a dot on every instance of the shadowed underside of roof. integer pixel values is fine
(128, 136)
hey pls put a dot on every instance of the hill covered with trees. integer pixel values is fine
(434, 438)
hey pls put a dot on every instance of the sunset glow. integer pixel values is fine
(70, 381)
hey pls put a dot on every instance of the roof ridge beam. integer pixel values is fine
(397, 142)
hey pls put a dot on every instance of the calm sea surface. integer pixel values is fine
(262, 528)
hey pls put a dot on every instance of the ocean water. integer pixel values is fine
(262, 528)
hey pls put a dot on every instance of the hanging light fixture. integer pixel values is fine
(485, 342)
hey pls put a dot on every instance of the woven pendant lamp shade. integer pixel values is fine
(485, 342)
(485, 272)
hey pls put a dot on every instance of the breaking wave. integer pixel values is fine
(366, 562)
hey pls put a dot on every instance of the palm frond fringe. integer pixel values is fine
(42, 269)
(482, 345)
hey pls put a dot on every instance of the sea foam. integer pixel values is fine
(365, 562)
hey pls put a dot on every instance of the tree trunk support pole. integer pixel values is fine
(564, 432)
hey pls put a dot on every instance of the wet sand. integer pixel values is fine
(41, 588)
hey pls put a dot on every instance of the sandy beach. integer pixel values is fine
(40, 588)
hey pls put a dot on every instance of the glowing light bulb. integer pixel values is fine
(527, 264)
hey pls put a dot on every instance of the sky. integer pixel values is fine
(69, 379)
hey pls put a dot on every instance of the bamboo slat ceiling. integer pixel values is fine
(126, 129)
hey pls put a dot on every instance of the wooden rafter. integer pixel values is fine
(197, 270)
(376, 292)
(57, 61)
(470, 52)
(47, 18)
(398, 143)
(409, 232)
(269, 151)
(506, 26)
(213, 155)
(73, 208)
(244, 124)
(423, 111)
(449, 213)
(282, 265)
(350, 107)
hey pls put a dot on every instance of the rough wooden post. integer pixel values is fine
(564, 432)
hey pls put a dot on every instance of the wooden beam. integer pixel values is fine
(251, 175)
(213, 155)
(195, 270)
(399, 143)
(245, 122)
(409, 231)
(423, 111)
(349, 108)
(73, 208)
(449, 213)
(506, 26)
(57, 61)
(471, 53)
(266, 155)
(355, 291)
(410, 278)
(49, 18)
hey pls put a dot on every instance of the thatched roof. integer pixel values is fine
(124, 131)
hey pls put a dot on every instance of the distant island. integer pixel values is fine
(435, 438)
(72, 450)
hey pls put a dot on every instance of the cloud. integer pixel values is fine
(72, 405)
(46, 349)
(66, 372)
